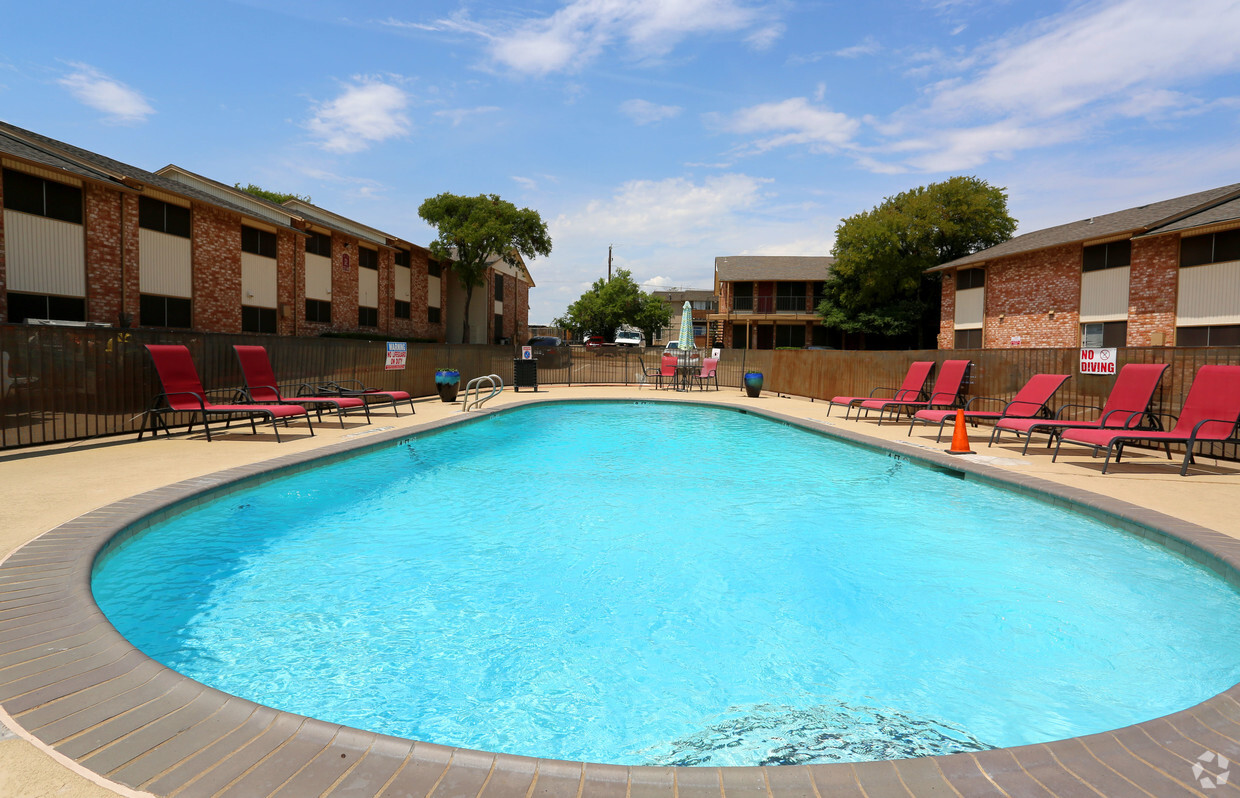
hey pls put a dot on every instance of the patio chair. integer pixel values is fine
(665, 371)
(261, 386)
(708, 372)
(359, 389)
(183, 393)
(1029, 402)
(1211, 412)
(1126, 407)
(911, 388)
(945, 393)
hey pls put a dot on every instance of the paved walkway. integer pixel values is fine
(42, 488)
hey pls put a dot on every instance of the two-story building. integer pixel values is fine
(769, 301)
(701, 304)
(1162, 274)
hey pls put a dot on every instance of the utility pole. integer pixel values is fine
(609, 263)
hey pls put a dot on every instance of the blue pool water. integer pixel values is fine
(660, 584)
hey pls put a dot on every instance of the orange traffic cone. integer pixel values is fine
(960, 438)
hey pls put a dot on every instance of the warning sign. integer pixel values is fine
(1097, 361)
(396, 352)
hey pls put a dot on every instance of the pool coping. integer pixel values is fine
(70, 683)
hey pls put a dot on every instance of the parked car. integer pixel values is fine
(630, 338)
(594, 341)
(550, 352)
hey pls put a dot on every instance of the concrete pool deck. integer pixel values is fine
(155, 741)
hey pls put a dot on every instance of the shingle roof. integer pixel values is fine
(772, 267)
(1225, 212)
(1133, 220)
(677, 297)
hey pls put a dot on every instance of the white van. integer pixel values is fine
(630, 338)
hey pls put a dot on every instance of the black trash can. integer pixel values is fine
(525, 374)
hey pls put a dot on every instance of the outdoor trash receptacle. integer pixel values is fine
(525, 374)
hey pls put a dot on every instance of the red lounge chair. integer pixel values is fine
(945, 393)
(910, 389)
(372, 396)
(183, 393)
(1029, 402)
(261, 386)
(1126, 407)
(1211, 412)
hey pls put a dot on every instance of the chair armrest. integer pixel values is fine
(1230, 434)
(883, 388)
(969, 404)
(1060, 411)
(198, 397)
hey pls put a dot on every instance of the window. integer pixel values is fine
(789, 296)
(319, 244)
(499, 328)
(968, 339)
(1107, 256)
(30, 194)
(433, 268)
(401, 257)
(432, 315)
(367, 317)
(401, 311)
(258, 242)
(319, 310)
(1213, 248)
(789, 335)
(1216, 335)
(499, 288)
(163, 217)
(970, 278)
(36, 306)
(1104, 335)
(258, 320)
(703, 304)
(819, 293)
(165, 311)
(367, 258)
(742, 296)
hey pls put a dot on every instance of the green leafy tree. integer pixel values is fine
(611, 304)
(879, 282)
(277, 197)
(474, 230)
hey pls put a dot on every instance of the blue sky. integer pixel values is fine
(675, 130)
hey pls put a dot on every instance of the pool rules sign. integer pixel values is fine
(1097, 361)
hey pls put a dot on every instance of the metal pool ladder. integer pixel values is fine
(492, 380)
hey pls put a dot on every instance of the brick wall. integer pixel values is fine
(521, 319)
(419, 290)
(129, 261)
(290, 274)
(1153, 283)
(217, 269)
(103, 253)
(344, 282)
(387, 288)
(947, 311)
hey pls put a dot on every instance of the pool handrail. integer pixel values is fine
(493, 380)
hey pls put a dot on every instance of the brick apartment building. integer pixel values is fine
(85, 238)
(768, 302)
(1163, 274)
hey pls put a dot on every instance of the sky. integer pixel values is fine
(670, 131)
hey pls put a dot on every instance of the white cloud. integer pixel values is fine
(367, 112)
(644, 112)
(765, 38)
(794, 122)
(527, 183)
(459, 115)
(867, 46)
(95, 89)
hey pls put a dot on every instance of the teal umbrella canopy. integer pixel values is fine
(686, 326)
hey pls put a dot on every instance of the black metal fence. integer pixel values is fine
(68, 383)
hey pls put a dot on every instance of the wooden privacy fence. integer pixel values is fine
(70, 383)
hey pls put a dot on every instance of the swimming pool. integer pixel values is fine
(725, 600)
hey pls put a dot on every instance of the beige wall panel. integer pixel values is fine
(434, 293)
(318, 277)
(165, 264)
(499, 308)
(970, 308)
(404, 279)
(1209, 294)
(258, 281)
(44, 256)
(1104, 295)
(48, 174)
(368, 288)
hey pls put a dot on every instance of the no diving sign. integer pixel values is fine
(1097, 361)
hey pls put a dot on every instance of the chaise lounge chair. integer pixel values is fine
(372, 396)
(1211, 412)
(1029, 402)
(183, 393)
(945, 393)
(261, 386)
(910, 389)
(1126, 407)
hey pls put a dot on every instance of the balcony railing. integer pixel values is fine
(772, 304)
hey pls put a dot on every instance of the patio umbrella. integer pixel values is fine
(686, 326)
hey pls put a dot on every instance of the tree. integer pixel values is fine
(474, 230)
(879, 282)
(277, 197)
(610, 304)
